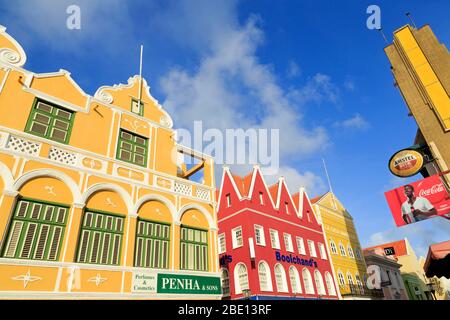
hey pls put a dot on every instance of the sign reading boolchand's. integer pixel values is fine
(406, 163)
(174, 283)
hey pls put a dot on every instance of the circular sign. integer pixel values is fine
(406, 163)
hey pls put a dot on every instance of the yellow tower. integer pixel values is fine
(344, 248)
(95, 201)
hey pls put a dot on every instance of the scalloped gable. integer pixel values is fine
(66, 87)
(11, 52)
(121, 95)
(327, 201)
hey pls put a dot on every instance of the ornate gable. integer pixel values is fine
(122, 96)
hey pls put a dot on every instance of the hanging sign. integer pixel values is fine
(406, 163)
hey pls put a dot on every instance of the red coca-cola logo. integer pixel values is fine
(437, 188)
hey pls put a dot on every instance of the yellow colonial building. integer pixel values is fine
(96, 201)
(344, 248)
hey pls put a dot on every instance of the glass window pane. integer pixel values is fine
(39, 128)
(44, 107)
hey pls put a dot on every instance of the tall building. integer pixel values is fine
(270, 243)
(95, 202)
(388, 268)
(411, 270)
(344, 247)
(421, 68)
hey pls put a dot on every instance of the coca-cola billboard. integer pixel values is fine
(419, 201)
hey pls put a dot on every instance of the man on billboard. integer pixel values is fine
(416, 208)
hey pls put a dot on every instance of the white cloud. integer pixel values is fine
(355, 122)
(293, 69)
(349, 85)
(313, 184)
(104, 25)
(230, 88)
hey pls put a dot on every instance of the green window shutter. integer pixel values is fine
(194, 249)
(36, 232)
(50, 121)
(152, 245)
(100, 238)
(132, 148)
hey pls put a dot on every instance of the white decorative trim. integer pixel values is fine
(269, 216)
(53, 174)
(9, 56)
(26, 278)
(7, 177)
(207, 214)
(105, 97)
(100, 94)
(100, 267)
(10, 193)
(78, 205)
(98, 280)
(109, 187)
(159, 198)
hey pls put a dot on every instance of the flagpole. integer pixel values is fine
(329, 182)
(140, 77)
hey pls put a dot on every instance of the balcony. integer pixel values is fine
(353, 290)
(47, 151)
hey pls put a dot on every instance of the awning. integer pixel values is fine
(438, 260)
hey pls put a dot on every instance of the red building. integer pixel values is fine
(271, 245)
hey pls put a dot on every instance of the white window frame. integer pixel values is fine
(350, 251)
(342, 250)
(289, 246)
(261, 198)
(333, 247)
(282, 274)
(222, 241)
(286, 207)
(312, 252)
(228, 196)
(268, 276)
(277, 239)
(262, 236)
(235, 239)
(358, 254)
(238, 278)
(322, 251)
(301, 249)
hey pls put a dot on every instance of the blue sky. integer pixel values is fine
(310, 68)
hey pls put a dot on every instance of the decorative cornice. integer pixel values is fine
(10, 193)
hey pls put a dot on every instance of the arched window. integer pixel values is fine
(295, 280)
(240, 278)
(319, 283)
(40, 227)
(358, 254)
(341, 279)
(333, 247)
(225, 278)
(350, 279)
(330, 284)
(307, 281)
(265, 279)
(350, 251)
(342, 249)
(359, 283)
(280, 278)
